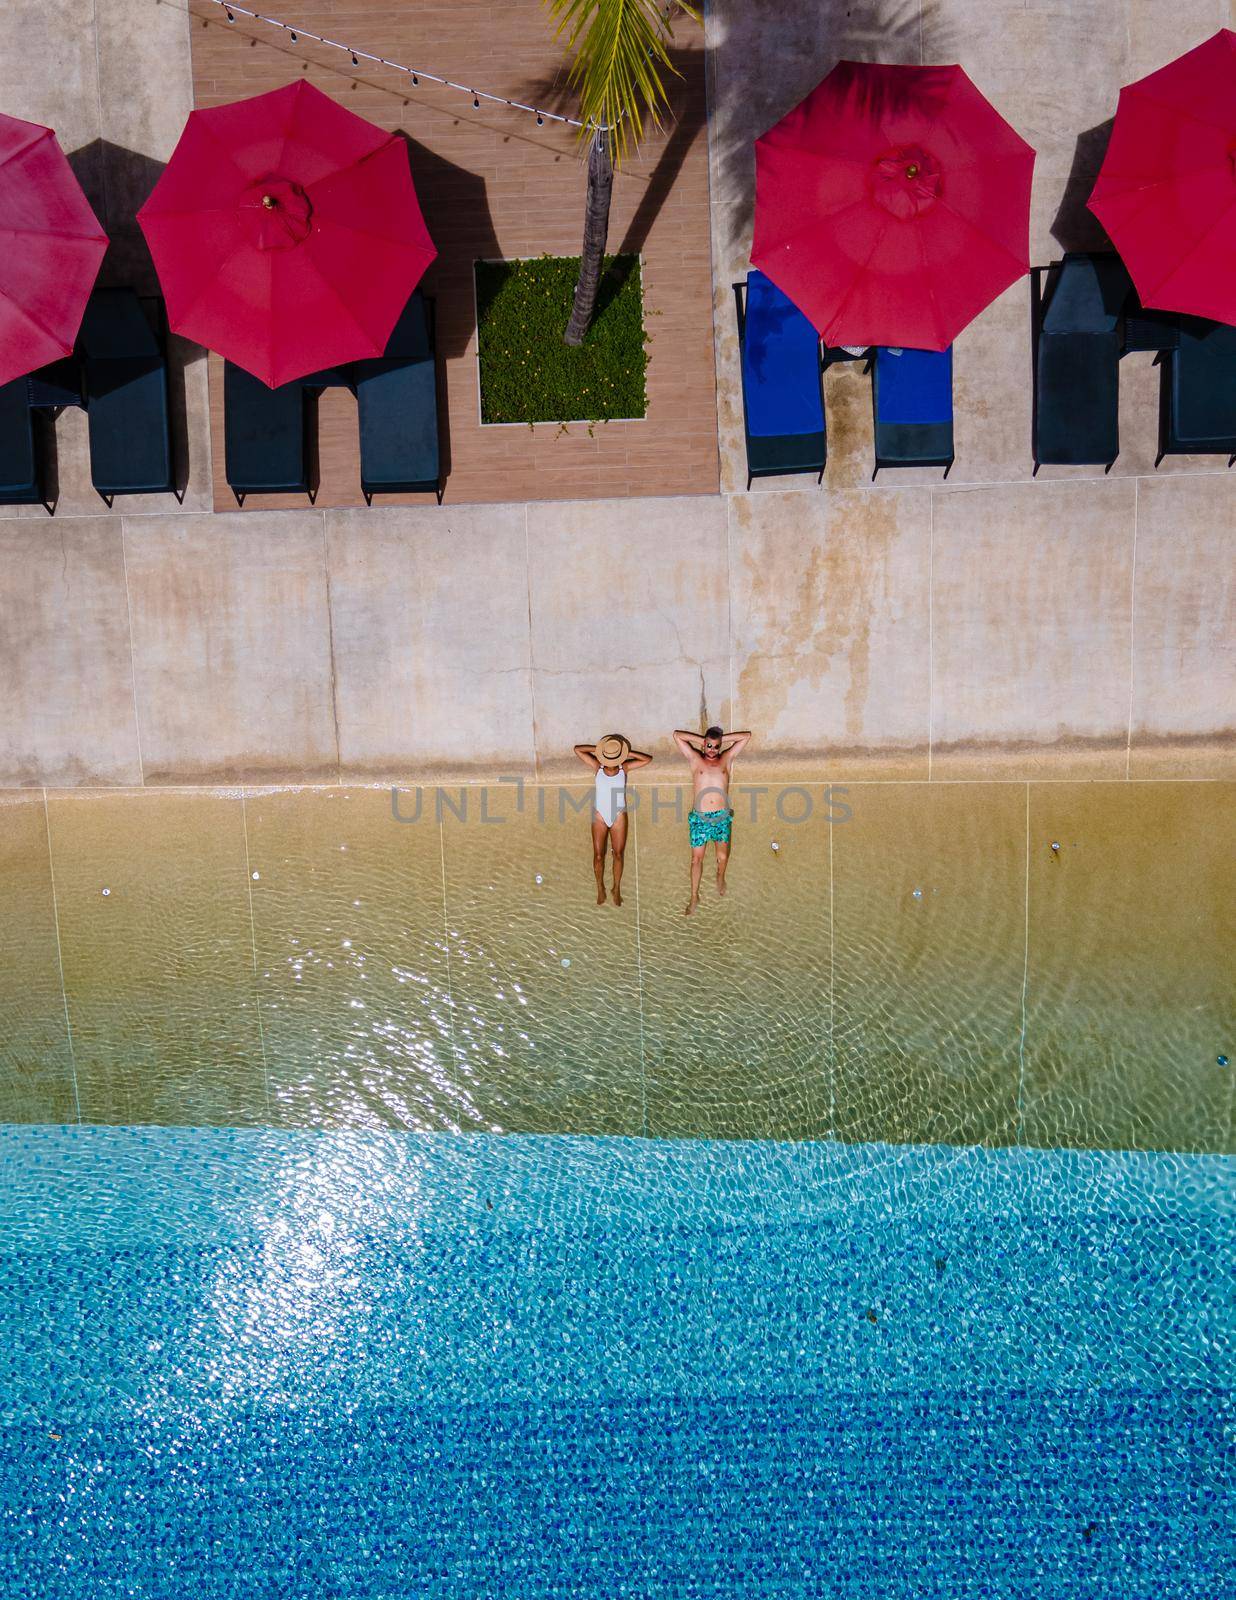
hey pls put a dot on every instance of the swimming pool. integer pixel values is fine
(376, 1365)
(378, 1216)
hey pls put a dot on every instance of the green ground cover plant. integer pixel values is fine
(528, 374)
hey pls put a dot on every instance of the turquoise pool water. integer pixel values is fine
(372, 1365)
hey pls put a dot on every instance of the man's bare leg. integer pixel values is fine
(600, 834)
(697, 869)
(723, 861)
(618, 842)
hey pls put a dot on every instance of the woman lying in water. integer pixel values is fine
(611, 758)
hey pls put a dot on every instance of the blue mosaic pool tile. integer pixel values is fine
(311, 1365)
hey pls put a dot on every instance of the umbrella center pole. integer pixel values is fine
(278, 212)
(906, 181)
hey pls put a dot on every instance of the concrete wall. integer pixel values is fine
(1066, 629)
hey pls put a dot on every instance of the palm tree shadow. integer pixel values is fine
(762, 74)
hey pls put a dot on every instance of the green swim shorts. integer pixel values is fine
(709, 827)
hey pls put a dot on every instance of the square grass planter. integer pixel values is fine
(527, 374)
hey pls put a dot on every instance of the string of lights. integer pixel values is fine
(415, 73)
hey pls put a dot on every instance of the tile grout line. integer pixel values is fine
(931, 623)
(128, 610)
(1128, 755)
(330, 640)
(536, 753)
(729, 603)
(64, 994)
(1025, 985)
(98, 97)
(639, 973)
(832, 990)
(446, 941)
(257, 993)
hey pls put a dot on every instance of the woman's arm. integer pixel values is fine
(637, 758)
(584, 752)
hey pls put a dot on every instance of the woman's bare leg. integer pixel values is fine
(600, 833)
(618, 843)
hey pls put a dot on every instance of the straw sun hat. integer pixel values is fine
(612, 750)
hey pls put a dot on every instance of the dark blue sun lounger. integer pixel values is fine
(1197, 394)
(1077, 346)
(22, 466)
(397, 403)
(265, 436)
(125, 372)
(782, 396)
(912, 400)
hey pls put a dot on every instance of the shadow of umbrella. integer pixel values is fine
(456, 211)
(455, 205)
(1075, 227)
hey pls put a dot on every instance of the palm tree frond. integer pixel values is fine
(619, 61)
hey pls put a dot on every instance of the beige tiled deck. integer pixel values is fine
(1071, 626)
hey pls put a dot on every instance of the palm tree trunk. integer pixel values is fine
(596, 232)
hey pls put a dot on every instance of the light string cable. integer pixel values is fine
(415, 73)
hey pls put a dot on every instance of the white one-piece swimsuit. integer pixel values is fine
(611, 795)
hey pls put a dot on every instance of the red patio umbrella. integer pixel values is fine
(1166, 192)
(51, 248)
(286, 233)
(892, 205)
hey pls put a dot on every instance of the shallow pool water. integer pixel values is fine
(925, 968)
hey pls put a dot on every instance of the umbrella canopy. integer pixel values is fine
(51, 248)
(1166, 192)
(892, 205)
(286, 233)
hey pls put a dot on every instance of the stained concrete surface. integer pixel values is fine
(988, 627)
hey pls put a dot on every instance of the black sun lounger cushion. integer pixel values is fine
(126, 397)
(1198, 397)
(1077, 363)
(21, 477)
(264, 435)
(397, 403)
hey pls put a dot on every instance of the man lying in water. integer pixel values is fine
(711, 759)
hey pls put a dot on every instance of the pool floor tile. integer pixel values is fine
(351, 959)
(929, 917)
(545, 982)
(736, 997)
(1129, 978)
(157, 949)
(36, 1057)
